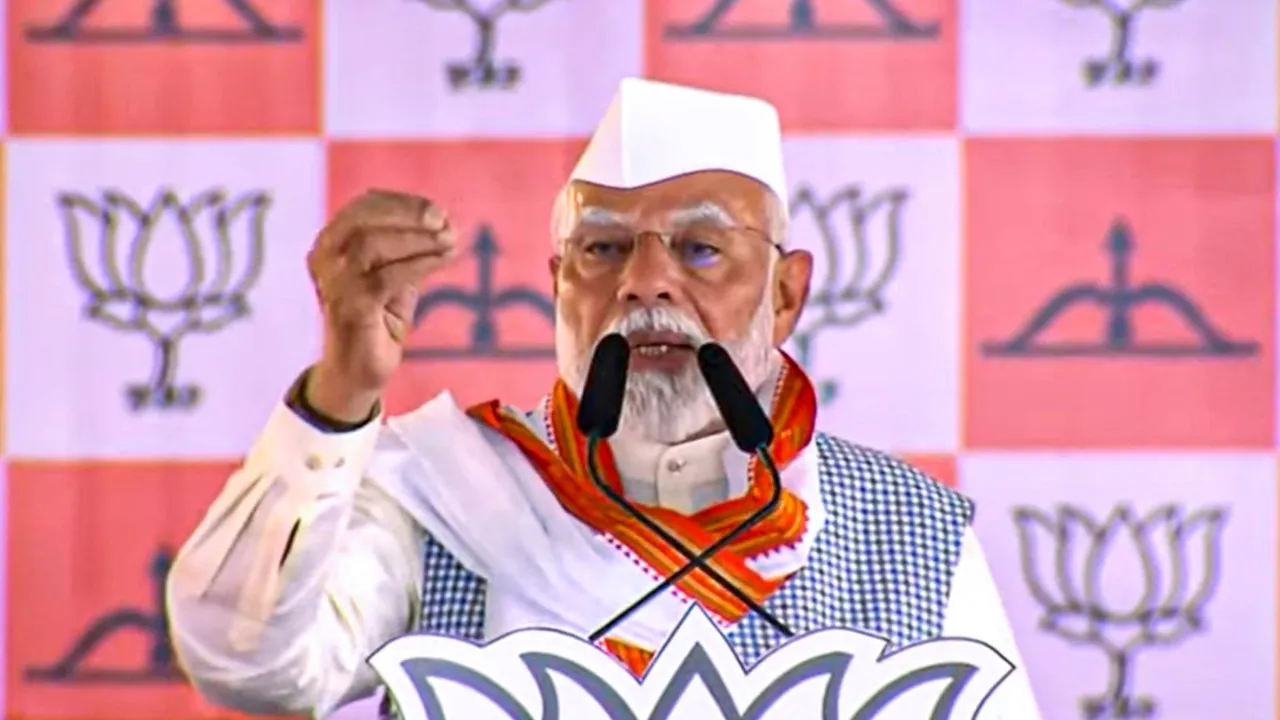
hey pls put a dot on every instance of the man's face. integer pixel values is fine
(671, 266)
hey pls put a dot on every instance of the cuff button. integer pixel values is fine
(314, 462)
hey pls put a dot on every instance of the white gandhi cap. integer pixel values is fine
(656, 131)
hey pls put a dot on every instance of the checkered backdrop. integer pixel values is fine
(1045, 235)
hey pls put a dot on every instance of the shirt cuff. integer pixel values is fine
(309, 459)
(297, 401)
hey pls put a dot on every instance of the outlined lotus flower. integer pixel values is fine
(120, 254)
(1121, 584)
(482, 70)
(860, 234)
(1118, 65)
(834, 674)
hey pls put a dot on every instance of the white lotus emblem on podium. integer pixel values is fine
(550, 675)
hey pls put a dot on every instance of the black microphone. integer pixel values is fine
(599, 411)
(747, 422)
(600, 407)
(751, 433)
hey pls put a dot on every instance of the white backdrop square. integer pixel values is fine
(388, 67)
(882, 219)
(1192, 599)
(1023, 67)
(78, 386)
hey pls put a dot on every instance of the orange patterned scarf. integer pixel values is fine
(563, 465)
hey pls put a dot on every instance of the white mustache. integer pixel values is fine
(661, 320)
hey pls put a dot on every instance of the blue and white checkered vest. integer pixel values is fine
(882, 562)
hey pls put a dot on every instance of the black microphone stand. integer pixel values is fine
(695, 560)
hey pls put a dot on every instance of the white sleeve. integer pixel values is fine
(975, 611)
(299, 571)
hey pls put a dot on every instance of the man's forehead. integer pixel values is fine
(706, 193)
(693, 212)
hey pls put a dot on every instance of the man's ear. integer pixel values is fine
(554, 266)
(790, 292)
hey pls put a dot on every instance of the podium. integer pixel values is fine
(542, 674)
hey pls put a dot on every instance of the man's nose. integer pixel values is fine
(651, 275)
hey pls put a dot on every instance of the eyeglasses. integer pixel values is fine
(697, 248)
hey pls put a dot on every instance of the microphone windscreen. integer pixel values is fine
(747, 422)
(600, 407)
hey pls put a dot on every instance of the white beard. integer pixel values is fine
(670, 408)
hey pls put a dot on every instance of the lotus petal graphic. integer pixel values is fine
(165, 270)
(550, 675)
(481, 70)
(1119, 65)
(1168, 564)
(860, 236)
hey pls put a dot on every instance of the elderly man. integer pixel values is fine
(342, 532)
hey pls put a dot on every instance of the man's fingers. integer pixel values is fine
(394, 288)
(374, 267)
(390, 206)
(441, 254)
(400, 307)
(375, 253)
(358, 282)
(381, 246)
(434, 218)
(409, 272)
(381, 207)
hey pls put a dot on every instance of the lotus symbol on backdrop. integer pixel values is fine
(1118, 65)
(482, 70)
(122, 255)
(1123, 584)
(860, 237)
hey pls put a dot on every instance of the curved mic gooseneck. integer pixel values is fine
(696, 561)
(599, 412)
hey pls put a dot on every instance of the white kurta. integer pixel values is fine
(293, 638)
